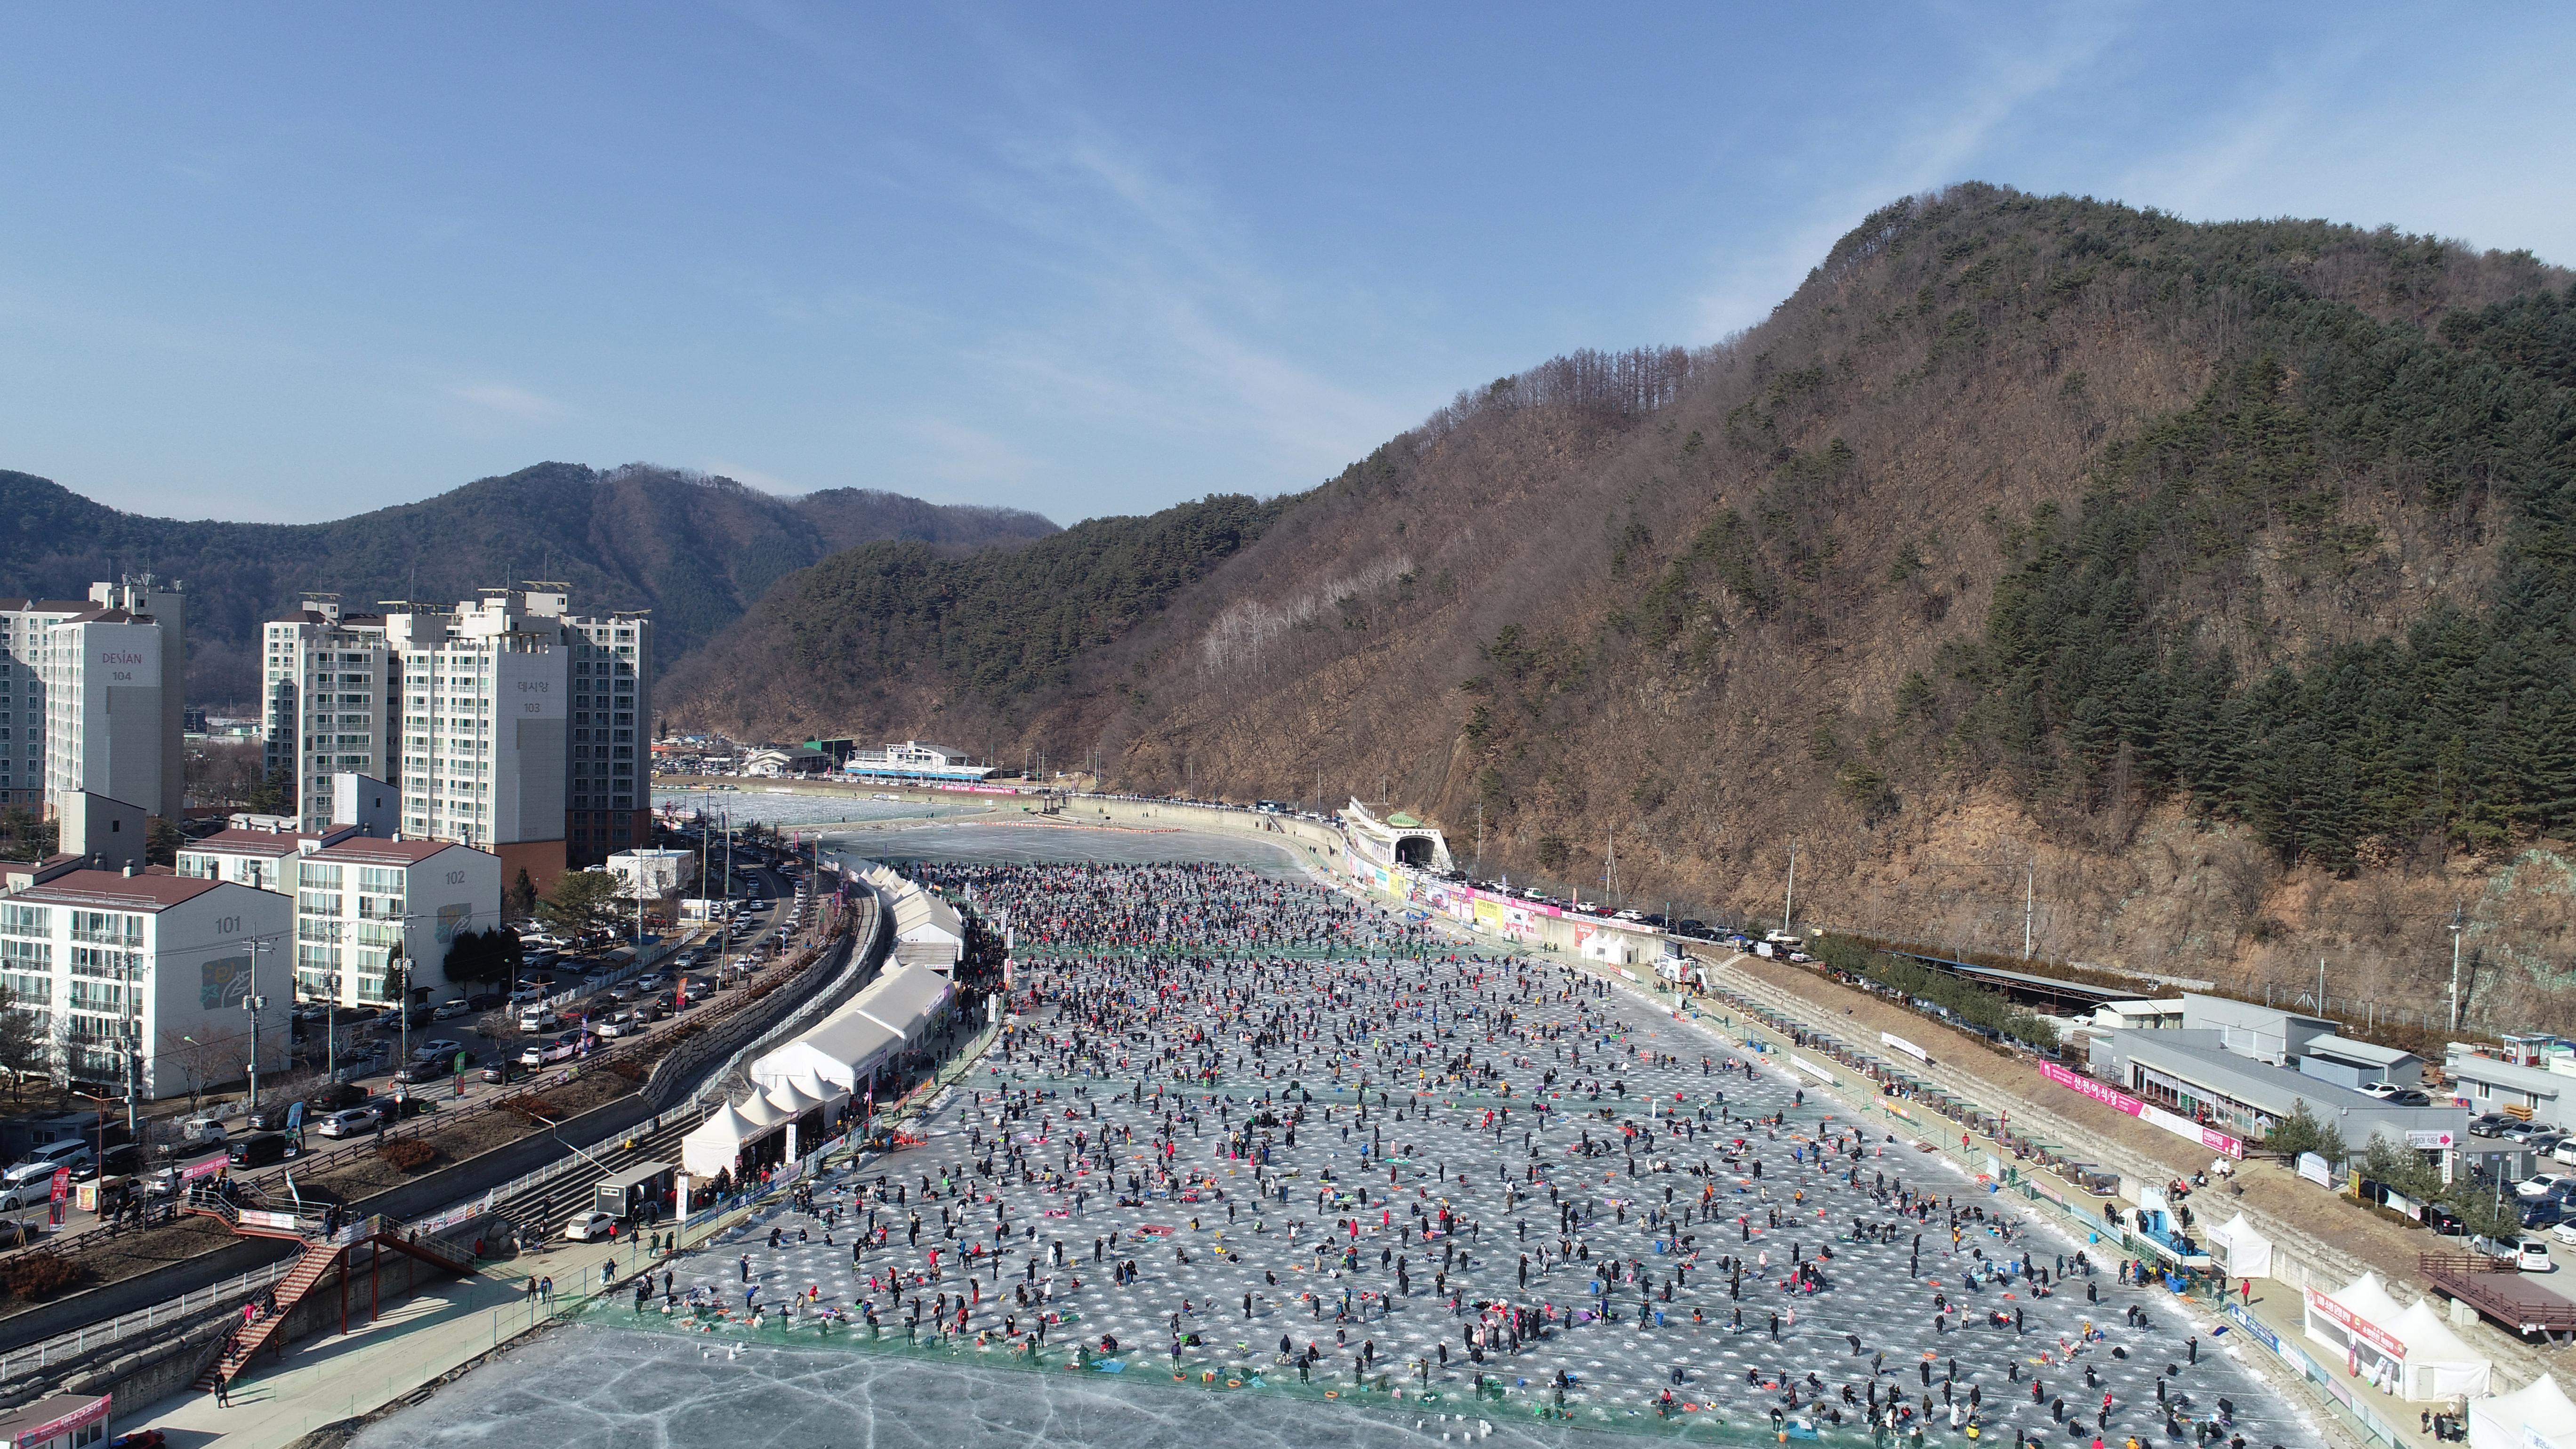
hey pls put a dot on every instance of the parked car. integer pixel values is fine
(452, 1008)
(594, 1226)
(262, 1148)
(123, 1160)
(2538, 1184)
(436, 1047)
(612, 1027)
(2489, 1124)
(537, 1021)
(434, 1070)
(2521, 1132)
(500, 1072)
(268, 1118)
(2564, 1151)
(2443, 1221)
(390, 1110)
(349, 1122)
(552, 1049)
(484, 1001)
(41, 1164)
(2533, 1256)
(333, 1098)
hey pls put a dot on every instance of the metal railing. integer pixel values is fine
(65, 1347)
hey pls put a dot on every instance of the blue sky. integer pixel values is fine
(292, 262)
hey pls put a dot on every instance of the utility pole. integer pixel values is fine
(2029, 899)
(2456, 923)
(251, 1003)
(398, 986)
(1789, 897)
(2321, 986)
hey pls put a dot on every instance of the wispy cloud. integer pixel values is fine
(1145, 308)
(1967, 119)
(490, 410)
(508, 402)
(954, 453)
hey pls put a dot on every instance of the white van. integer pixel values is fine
(552, 1049)
(2534, 1256)
(355, 1122)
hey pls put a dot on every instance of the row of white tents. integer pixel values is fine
(717, 1144)
(834, 1061)
(2410, 1350)
(927, 929)
(840, 1056)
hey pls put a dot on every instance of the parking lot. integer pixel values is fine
(376, 1073)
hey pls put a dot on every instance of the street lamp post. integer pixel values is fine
(251, 1003)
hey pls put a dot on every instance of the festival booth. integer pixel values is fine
(841, 1053)
(795, 1106)
(716, 1145)
(2356, 1323)
(764, 1115)
(905, 1000)
(2242, 1252)
(2538, 1417)
(2438, 1365)
(927, 930)
(824, 1092)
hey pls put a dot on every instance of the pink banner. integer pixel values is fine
(2108, 1096)
(2173, 1122)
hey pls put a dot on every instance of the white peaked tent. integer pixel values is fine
(2364, 1298)
(762, 1114)
(2438, 1365)
(2371, 1302)
(795, 1103)
(716, 1143)
(2538, 1417)
(821, 1091)
(2244, 1252)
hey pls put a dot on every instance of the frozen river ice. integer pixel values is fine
(1006, 843)
(790, 809)
(601, 1388)
(1643, 1238)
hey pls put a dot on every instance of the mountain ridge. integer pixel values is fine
(695, 548)
(2215, 580)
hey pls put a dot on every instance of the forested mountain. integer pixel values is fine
(696, 550)
(960, 642)
(2212, 584)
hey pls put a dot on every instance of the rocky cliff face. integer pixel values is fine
(2202, 586)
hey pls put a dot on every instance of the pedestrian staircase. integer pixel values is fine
(322, 1257)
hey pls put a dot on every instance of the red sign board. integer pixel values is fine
(93, 1412)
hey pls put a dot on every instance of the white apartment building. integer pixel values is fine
(90, 695)
(360, 900)
(357, 898)
(161, 966)
(329, 702)
(611, 806)
(485, 727)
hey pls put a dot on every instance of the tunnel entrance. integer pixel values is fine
(1416, 850)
